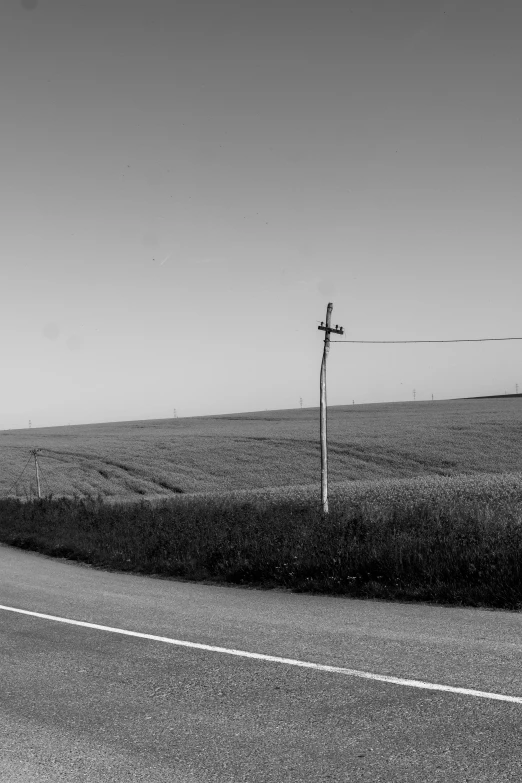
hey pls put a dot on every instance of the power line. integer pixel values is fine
(475, 340)
(19, 477)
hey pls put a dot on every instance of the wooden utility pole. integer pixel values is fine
(324, 459)
(35, 452)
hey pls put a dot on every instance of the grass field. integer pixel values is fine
(425, 499)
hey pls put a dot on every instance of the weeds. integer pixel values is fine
(444, 539)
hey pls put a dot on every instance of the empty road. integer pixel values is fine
(193, 683)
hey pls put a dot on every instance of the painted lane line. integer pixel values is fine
(275, 659)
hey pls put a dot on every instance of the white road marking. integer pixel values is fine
(275, 659)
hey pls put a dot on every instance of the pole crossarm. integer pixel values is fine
(330, 330)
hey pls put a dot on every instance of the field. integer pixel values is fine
(425, 499)
(272, 449)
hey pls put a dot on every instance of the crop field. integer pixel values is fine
(266, 450)
(425, 499)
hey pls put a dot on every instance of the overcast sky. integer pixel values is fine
(186, 184)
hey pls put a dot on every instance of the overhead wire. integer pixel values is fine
(15, 482)
(472, 340)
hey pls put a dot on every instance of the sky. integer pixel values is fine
(186, 184)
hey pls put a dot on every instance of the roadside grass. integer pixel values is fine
(455, 540)
(425, 499)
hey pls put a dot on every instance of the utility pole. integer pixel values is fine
(414, 394)
(35, 452)
(301, 401)
(324, 462)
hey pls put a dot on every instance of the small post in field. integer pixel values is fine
(324, 461)
(35, 452)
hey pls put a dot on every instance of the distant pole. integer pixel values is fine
(35, 452)
(432, 397)
(414, 394)
(175, 413)
(324, 460)
(29, 423)
(301, 401)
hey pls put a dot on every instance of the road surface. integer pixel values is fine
(201, 694)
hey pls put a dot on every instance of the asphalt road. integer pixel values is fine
(88, 704)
